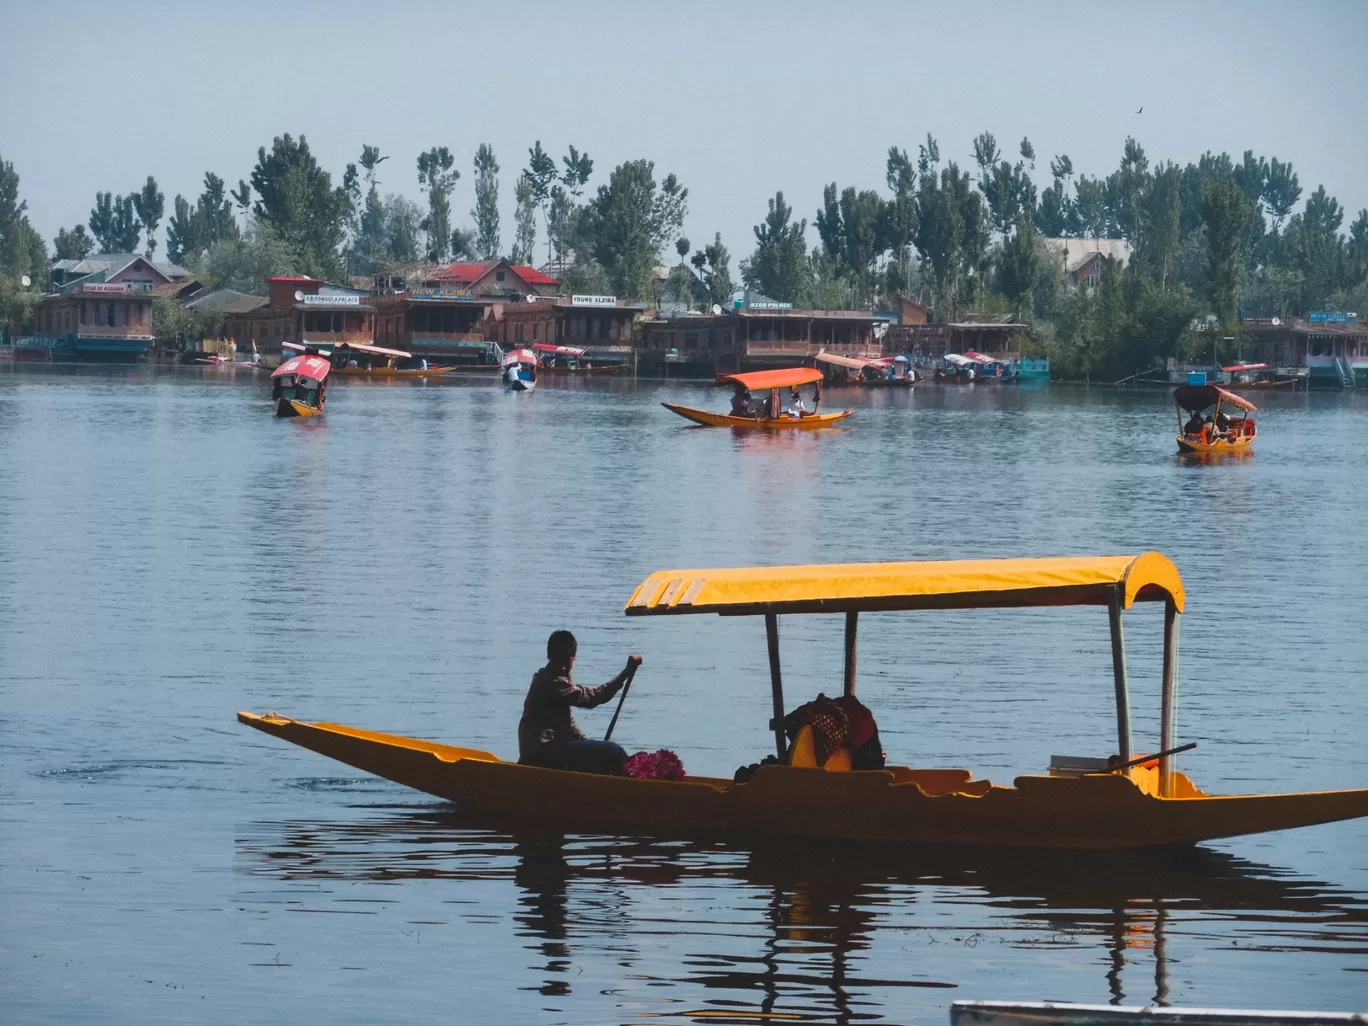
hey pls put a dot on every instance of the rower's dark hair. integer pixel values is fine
(561, 646)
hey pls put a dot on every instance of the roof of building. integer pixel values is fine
(1078, 251)
(114, 262)
(226, 301)
(473, 272)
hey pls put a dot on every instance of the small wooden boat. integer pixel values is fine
(1125, 801)
(1217, 434)
(299, 386)
(988, 371)
(1256, 376)
(358, 360)
(519, 370)
(1053, 1013)
(885, 372)
(555, 359)
(955, 369)
(1063, 1014)
(763, 416)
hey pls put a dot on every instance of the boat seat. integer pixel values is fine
(804, 753)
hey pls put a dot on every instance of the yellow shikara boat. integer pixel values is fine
(1126, 801)
(770, 381)
(1236, 435)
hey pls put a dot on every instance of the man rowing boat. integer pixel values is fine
(548, 735)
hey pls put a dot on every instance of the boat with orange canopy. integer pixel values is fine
(299, 386)
(1219, 433)
(1120, 800)
(767, 415)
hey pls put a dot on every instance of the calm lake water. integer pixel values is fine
(171, 553)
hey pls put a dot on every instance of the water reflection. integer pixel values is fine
(804, 930)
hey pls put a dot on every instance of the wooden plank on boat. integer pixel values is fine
(1040, 1013)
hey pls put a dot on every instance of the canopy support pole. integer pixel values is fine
(1118, 644)
(852, 621)
(1170, 699)
(776, 683)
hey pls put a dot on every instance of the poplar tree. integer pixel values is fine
(438, 177)
(486, 212)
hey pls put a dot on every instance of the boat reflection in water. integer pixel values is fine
(830, 933)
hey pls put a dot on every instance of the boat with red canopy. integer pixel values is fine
(770, 413)
(519, 369)
(1218, 433)
(298, 386)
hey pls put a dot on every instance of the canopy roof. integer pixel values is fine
(305, 366)
(516, 356)
(359, 347)
(846, 361)
(546, 347)
(758, 381)
(1245, 367)
(1198, 397)
(969, 584)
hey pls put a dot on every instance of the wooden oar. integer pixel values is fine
(618, 711)
(1148, 758)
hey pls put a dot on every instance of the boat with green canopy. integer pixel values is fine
(1124, 800)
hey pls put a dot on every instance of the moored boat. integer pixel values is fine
(519, 370)
(1219, 434)
(956, 369)
(555, 359)
(769, 414)
(1124, 801)
(358, 360)
(887, 371)
(1059, 1013)
(1257, 376)
(299, 386)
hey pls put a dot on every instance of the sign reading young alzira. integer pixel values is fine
(593, 300)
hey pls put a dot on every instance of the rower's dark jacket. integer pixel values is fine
(546, 721)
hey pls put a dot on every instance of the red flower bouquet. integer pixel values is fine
(661, 765)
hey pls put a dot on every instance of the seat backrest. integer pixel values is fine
(803, 752)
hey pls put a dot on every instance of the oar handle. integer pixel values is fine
(1150, 758)
(631, 672)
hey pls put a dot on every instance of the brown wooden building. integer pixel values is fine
(307, 311)
(107, 315)
(703, 345)
(601, 325)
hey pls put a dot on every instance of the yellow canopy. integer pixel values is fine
(969, 584)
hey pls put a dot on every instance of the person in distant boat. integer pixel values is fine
(548, 735)
(796, 409)
(1194, 425)
(741, 402)
(1222, 423)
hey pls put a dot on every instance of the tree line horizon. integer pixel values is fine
(1216, 236)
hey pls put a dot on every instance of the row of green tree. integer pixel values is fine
(1216, 235)
(290, 216)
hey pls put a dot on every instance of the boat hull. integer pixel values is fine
(816, 420)
(936, 806)
(294, 408)
(1239, 445)
(1051, 1013)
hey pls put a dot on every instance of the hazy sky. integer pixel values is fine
(738, 99)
